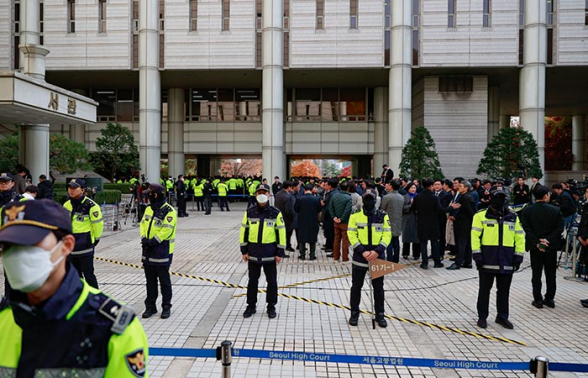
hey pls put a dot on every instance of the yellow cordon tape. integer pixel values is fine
(334, 305)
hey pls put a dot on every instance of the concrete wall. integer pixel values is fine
(222, 137)
(336, 138)
(86, 48)
(458, 122)
(6, 39)
(572, 34)
(469, 44)
(336, 45)
(209, 47)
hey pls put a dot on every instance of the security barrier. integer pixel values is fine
(538, 366)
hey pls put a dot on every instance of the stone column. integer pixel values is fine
(400, 86)
(380, 129)
(149, 90)
(579, 142)
(532, 76)
(504, 121)
(493, 112)
(34, 149)
(175, 132)
(273, 91)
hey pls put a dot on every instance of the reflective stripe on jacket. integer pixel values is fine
(87, 224)
(263, 233)
(159, 223)
(369, 232)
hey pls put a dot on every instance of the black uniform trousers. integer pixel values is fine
(543, 261)
(222, 203)
(207, 204)
(357, 278)
(329, 232)
(503, 282)
(199, 203)
(153, 273)
(271, 275)
(84, 264)
(181, 205)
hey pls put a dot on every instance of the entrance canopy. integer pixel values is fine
(28, 101)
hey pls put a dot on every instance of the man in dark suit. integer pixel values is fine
(428, 210)
(307, 207)
(285, 203)
(441, 194)
(463, 226)
(543, 224)
(387, 174)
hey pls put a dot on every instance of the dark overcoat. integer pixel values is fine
(307, 207)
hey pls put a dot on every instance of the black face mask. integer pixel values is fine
(369, 203)
(153, 198)
(498, 202)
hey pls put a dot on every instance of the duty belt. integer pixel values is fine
(362, 265)
(261, 259)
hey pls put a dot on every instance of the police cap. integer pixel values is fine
(262, 187)
(6, 176)
(156, 188)
(29, 222)
(496, 191)
(76, 183)
(369, 193)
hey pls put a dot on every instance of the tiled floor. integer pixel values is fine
(205, 313)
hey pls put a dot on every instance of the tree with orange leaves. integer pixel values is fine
(306, 168)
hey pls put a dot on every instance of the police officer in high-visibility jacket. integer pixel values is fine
(158, 233)
(87, 223)
(498, 248)
(198, 187)
(223, 189)
(56, 325)
(369, 233)
(263, 239)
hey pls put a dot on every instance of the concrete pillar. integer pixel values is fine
(493, 112)
(400, 86)
(34, 149)
(175, 133)
(149, 90)
(579, 142)
(380, 129)
(532, 76)
(504, 121)
(274, 161)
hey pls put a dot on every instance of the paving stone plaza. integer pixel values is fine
(205, 313)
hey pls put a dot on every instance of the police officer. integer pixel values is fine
(56, 324)
(498, 248)
(369, 233)
(199, 193)
(87, 225)
(222, 195)
(263, 239)
(158, 232)
(7, 193)
(181, 196)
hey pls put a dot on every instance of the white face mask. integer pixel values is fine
(28, 267)
(261, 198)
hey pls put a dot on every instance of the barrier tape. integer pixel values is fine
(366, 360)
(334, 305)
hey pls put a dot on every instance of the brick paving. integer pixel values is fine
(204, 313)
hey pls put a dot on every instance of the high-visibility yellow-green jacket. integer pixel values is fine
(263, 234)
(78, 332)
(232, 184)
(133, 180)
(198, 190)
(169, 185)
(87, 224)
(159, 224)
(368, 232)
(222, 189)
(253, 187)
(215, 183)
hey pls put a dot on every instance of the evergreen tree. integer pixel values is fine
(67, 156)
(9, 156)
(117, 153)
(419, 157)
(512, 152)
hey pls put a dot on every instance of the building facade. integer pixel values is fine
(214, 79)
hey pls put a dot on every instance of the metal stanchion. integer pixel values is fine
(540, 367)
(223, 354)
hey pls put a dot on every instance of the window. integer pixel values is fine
(161, 50)
(308, 104)
(226, 14)
(258, 34)
(387, 32)
(330, 104)
(102, 16)
(549, 45)
(248, 104)
(193, 15)
(521, 13)
(415, 32)
(352, 104)
(586, 13)
(17, 17)
(486, 16)
(353, 14)
(451, 7)
(135, 16)
(521, 46)
(550, 10)
(124, 105)
(161, 15)
(106, 100)
(320, 14)
(135, 34)
(286, 30)
(71, 16)
(164, 106)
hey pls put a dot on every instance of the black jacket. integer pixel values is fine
(465, 215)
(285, 203)
(542, 221)
(387, 175)
(45, 190)
(428, 209)
(566, 204)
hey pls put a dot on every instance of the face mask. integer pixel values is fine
(28, 267)
(153, 198)
(498, 202)
(369, 203)
(261, 198)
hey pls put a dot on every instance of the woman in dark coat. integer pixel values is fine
(521, 192)
(409, 225)
(307, 207)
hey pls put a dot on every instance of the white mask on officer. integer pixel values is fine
(28, 267)
(261, 198)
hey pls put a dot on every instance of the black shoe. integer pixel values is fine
(149, 313)
(538, 304)
(312, 258)
(271, 312)
(165, 313)
(467, 266)
(330, 255)
(431, 257)
(228, 210)
(286, 256)
(504, 322)
(424, 266)
(549, 303)
(249, 311)
(381, 320)
(405, 256)
(329, 250)
(454, 267)
(482, 323)
(302, 257)
(584, 302)
(439, 265)
(354, 318)
(181, 216)
(186, 214)
(289, 249)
